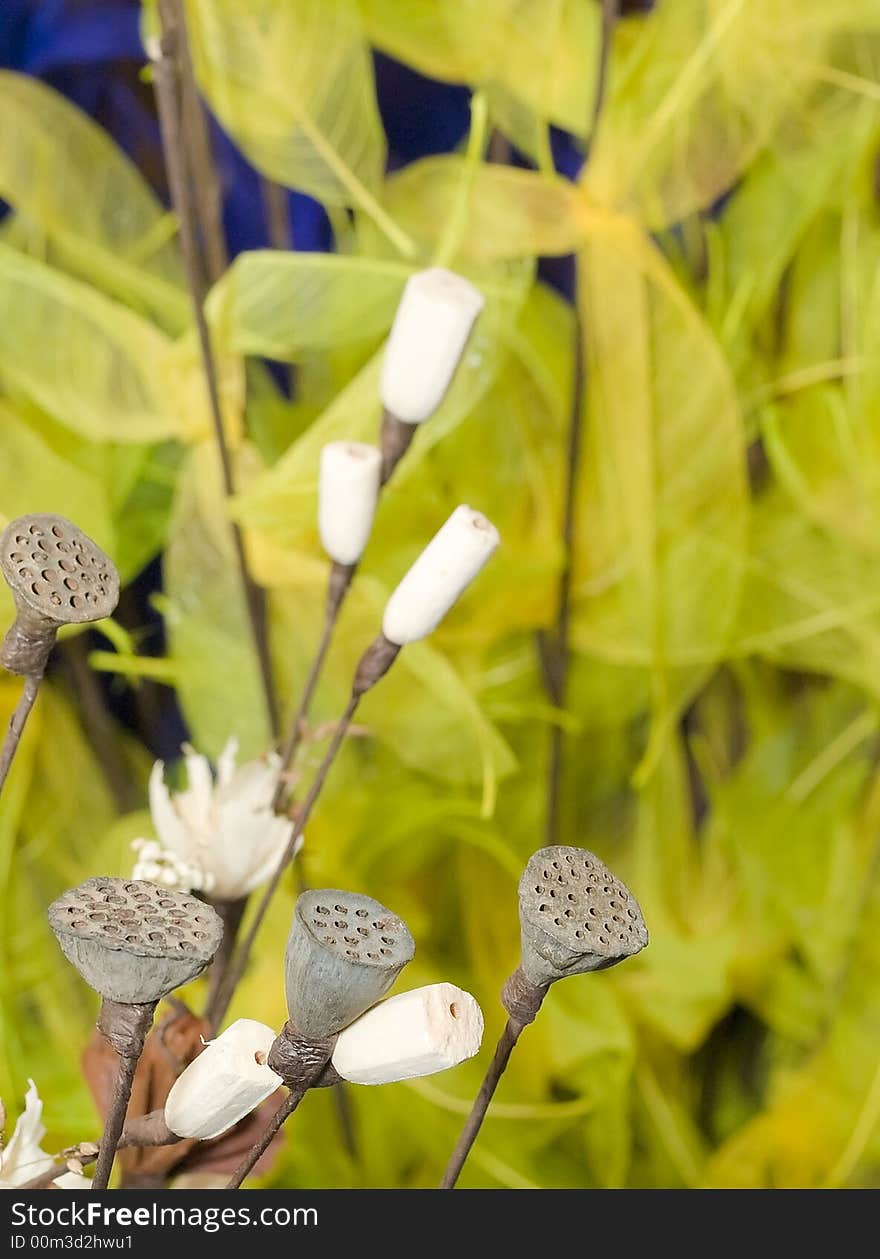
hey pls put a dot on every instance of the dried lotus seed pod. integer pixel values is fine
(575, 915)
(58, 576)
(344, 952)
(134, 942)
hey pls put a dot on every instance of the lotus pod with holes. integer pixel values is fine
(58, 576)
(134, 942)
(575, 916)
(344, 952)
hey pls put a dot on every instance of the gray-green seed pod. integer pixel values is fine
(58, 576)
(575, 916)
(344, 952)
(134, 942)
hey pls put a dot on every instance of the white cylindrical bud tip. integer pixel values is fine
(448, 564)
(347, 494)
(226, 1082)
(414, 1034)
(429, 333)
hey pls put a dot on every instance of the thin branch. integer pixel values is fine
(555, 649)
(115, 1120)
(283, 1113)
(557, 666)
(275, 201)
(280, 236)
(610, 12)
(145, 1131)
(199, 152)
(474, 1122)
(340, 580)
(231, 913)
(239, 964)
(17, 724)
(165, 60)
(98, 724)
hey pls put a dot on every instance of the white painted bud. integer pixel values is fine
(446, 567)
(226, 1082)
(416, 1033)
(347, 496)
(429, 333)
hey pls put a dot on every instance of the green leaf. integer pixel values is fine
(33, 477)
(809, 601)
(822, 1119)
(664, 507)
(422, 709)
(542, 52)
(696, 96)
(509, 213)
(280, 304)
(293, 84)
(204, 611)
(64, 175)
(787, 821)
(92, 364)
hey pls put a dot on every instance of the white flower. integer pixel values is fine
(414, 1034)
(430, 330)
(23, 1159)
(226, 1082)
(222, 837)
(348, 492)
(448, 564)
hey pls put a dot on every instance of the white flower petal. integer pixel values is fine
(226, 762)
(195, 804)
(253, 787)
(172, 832)
(259, 874)
(222, 837)
(22, 1159)
(72, 1180)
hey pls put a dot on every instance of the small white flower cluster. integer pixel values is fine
(411, 1035)
(23, 1159)
(431, 328)
(218, 837)
(160, 865)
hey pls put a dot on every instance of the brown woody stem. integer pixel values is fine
(17, 724)
(474, 1121)
(374, 664)
(555, 647)
(340, 580)
(166, 82)
(125, 1028)
(282, 1114)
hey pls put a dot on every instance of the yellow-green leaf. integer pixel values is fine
(543, 52)
(64, 175)
(278, 304)
(663, 507)
(508, 212)
(210, 645)
(698, 93)
(91, 363)
(293, 83)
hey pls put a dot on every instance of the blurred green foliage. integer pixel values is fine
(722, 746)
